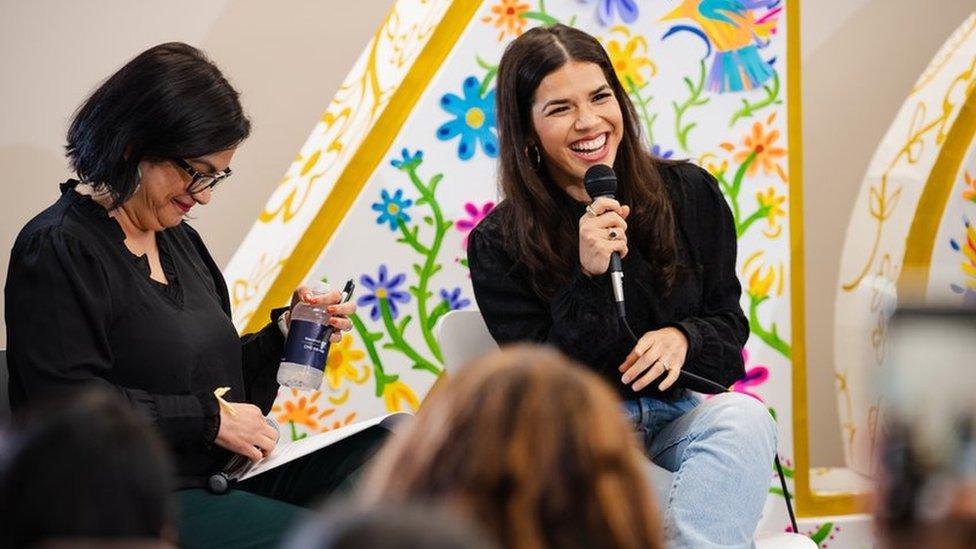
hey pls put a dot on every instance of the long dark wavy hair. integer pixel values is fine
(535, 222)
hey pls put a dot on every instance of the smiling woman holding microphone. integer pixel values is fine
(539, 266)
(110, 286)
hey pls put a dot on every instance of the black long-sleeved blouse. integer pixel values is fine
(81, 308)
(581, 319)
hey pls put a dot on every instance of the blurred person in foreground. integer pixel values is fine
(84, 471)
(925, 493)
(530, 446)
(409, 526)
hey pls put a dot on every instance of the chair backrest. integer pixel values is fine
(463, 337)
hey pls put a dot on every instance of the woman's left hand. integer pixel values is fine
(657, 352)
(339, 312)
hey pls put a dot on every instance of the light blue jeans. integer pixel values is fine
(721, 453)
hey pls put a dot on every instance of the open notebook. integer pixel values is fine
(241, 468)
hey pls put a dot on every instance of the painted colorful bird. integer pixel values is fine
(736, 34)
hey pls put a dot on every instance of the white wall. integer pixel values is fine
(860, 57)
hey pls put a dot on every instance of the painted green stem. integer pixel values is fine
(294, 432)
(400, 344)
(645, 116)
(430, 266)
(492, 72)
(368, 338)
(740, 174)
(410, 237)
(694, 100)
(543, 18)
(741, 228)
(770, 337)
(748, 109)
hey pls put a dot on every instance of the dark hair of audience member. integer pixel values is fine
(532, 447)
(83, 466)
(170, 101)
(414, 526)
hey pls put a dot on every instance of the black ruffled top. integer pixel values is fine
(82, 309)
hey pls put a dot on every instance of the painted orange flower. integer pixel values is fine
(508, 17)
(341, 364)
(627, 62)
(302, 410)
(764, 146)
(970, 193)
(396, 393)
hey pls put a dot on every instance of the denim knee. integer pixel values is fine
(747, 418)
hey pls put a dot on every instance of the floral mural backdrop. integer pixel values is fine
(708, 79)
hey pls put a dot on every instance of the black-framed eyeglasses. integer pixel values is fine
(200, 181)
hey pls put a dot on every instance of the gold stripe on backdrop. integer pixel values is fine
(364, 162)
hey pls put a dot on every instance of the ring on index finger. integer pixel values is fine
(590, 210)
(612, 235)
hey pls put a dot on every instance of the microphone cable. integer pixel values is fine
(711, 384)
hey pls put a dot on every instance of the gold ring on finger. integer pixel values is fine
(590, 210)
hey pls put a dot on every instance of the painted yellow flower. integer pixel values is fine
(341, 364)
(772, 205)
(508, 17)
(764, 146)
(761, 281)
(396, 393)
(970, 193)
(301, 411)
(628, 59)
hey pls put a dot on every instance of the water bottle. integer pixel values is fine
(307, 346)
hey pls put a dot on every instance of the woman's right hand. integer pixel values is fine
(595, 245)
(246, 432)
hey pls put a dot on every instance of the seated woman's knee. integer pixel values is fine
(748, 416)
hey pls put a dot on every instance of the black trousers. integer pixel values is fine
(261, 511)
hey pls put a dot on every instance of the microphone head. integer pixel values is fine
(600, 181)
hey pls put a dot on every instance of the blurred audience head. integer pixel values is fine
(925, 494)
(409, 526)
(531, 446)
(83, 470)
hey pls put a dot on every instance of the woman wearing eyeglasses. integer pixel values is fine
(111, 286)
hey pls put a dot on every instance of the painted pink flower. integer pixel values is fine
(475, 215)
(755, 376)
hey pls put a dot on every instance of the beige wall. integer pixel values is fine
(859, 59)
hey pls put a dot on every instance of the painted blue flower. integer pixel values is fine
(657, 151)
(383, 288)
(392, 208)
(453, 299)
(474, 120)
(408, 161)
(605, 10)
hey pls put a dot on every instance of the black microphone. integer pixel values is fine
(601, 181)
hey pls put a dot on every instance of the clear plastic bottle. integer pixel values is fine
(307, 346)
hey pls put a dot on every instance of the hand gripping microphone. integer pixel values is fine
(601, 181)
